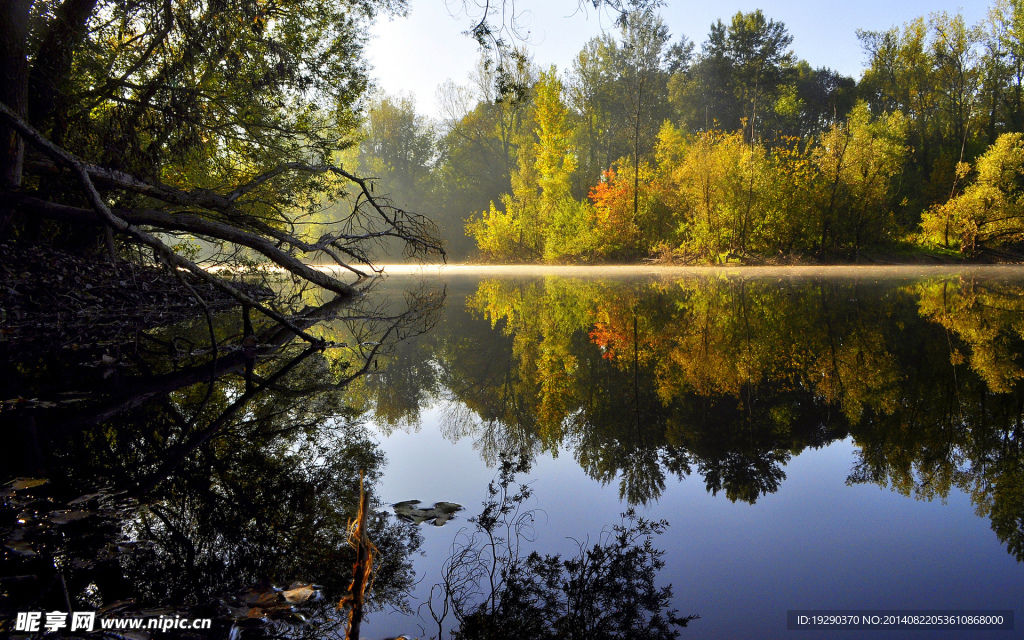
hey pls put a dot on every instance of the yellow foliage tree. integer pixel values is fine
(540, 220)
(991, 210)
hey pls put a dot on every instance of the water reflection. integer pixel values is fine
(492, 587)
(646, 382)
(185, 479)
(195, 481)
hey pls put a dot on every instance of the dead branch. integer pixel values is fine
(414, 230)
(362, 568)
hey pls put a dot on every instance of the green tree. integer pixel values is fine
(816, 100)
(931, 71)
(737, 79)
(398, 145)
(218, 119)
(1004, 69)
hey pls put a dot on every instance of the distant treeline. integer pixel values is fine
(648, 146)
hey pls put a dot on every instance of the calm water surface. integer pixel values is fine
(814, 442)
(815, 439)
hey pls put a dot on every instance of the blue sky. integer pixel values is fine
(413, 55)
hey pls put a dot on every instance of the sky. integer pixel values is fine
(415, 54)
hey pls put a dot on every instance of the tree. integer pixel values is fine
(498, 38)
(715, 179)
(398, 146)
(989, 212)
(217, 119)
(14, 32)
(738, 76)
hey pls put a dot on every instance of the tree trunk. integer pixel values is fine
(13, 86)
(52, 62)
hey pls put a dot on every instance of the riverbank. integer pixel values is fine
(53, 300)
(898, 256)
(908, 271)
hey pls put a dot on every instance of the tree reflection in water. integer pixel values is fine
(185, 480)
(730, 377)
(492, 588)
(196, 481)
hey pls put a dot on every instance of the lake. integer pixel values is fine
(813, 439)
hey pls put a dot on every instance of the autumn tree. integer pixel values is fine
(989, 212)
(857, 162)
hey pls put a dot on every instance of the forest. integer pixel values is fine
(652, 146)
(271, 147)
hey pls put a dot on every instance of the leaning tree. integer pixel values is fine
(125, 122)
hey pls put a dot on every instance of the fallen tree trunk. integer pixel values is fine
(222, 217)
(181, 221)
(121, 226)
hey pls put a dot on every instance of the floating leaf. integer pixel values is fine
(300, 594)
(19, 484)
(64, 517)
